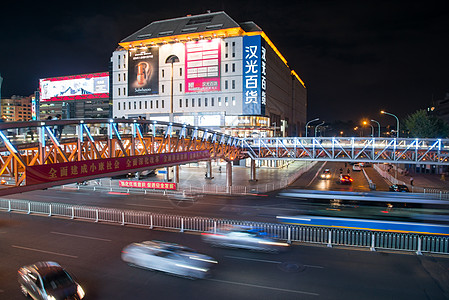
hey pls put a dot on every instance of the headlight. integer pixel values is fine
(50, 297)
(80, 291)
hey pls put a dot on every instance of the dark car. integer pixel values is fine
(48, 281)
(399, 188)
(345, 179)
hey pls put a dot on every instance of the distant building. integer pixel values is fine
(441, 108)
(75, 97)
(16, 108)
(207, 70)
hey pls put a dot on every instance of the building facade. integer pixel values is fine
(16, 109)
(207, 70)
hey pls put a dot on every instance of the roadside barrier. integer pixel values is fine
(306, 234)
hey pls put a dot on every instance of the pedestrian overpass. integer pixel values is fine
(33, 157)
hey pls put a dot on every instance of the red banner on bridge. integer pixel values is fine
(147, 185)
(103, 167)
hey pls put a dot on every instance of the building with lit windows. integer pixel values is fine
(16, 109)
(207, 70)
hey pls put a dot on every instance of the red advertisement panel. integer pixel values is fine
(101, 167)
(203, 66)
(148, 185)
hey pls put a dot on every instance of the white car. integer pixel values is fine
(356, 167)
(169, 258)
(239, 237)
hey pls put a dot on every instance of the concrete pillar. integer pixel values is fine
(167, 174)
(209, 170)
(229, 173)
(176, 174)
(253, 170)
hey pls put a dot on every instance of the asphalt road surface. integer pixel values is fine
(91, 252)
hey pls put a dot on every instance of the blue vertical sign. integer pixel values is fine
(254, 76)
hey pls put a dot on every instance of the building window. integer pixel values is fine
(151, 104)
(146, 104)
(119, 91)
(199, 102)
(226, 84)
(180, 71)
(226, 50)
(187, 102)
(233, 67)
(119, 106)
(226, 101)
(205, 101)
(163, 73)
(212, 101)
(118, 76)
(129, 105)
(124, 76)
(226, 68)
(219, 101)
(193, 102)
(157, 103)
(180, 102)
(135, 105)
(124, 58)
(118, 61)
(124, 91)
(233, 49)
(233, 84)
(180, 87)
(233, 101)
(140, 104)
(163, 88)
(162, 104)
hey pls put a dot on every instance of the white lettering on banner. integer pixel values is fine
(251, 66)
(251, 51)
(251, 97)
(251, 82)
(263, 84)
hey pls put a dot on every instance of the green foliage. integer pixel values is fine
(421, 125)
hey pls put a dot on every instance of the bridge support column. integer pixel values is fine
(228, 175)
(209, 170)
(176, 174)
(253, 171)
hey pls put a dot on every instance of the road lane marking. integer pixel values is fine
(264, 287)
(149, 206)
(270, 261)
(81, 236)
(44, 251)
(254, 259)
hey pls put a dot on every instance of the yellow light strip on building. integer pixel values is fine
(297, 77)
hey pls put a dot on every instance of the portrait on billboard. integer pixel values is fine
(143, 71)
(203, 66)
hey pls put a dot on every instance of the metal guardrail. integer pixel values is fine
(291, 233)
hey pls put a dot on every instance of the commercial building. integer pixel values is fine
(75, 96)
(207, 70)
(16, 109)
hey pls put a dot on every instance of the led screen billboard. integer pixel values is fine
(203, 66)
(254, 75)
(76, 87)
(143, 71)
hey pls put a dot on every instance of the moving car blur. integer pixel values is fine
(48, 281)
(345, 179)
(244, 238)
(169, 258)
(356, 167)
(398, 188)
(326, 174)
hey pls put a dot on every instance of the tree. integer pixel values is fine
(421, 125)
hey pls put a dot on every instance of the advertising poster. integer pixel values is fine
(76, 87)
(203, 66)
(254, 75)
(143, 71)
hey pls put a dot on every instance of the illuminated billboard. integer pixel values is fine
(143, 71)
(254, 75)
(203, 66)
(76, 87)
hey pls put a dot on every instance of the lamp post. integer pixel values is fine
(316, 127)
(307, 124)
(274, 133)
(372, 127)
(397, 121)
(171, 60)
(378, 124)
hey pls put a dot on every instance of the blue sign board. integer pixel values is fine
(254, 75)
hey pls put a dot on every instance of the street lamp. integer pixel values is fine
(171, 60)
(372, 127)
(316, 127)
(378, 124)
(397, 121)
(307, 124)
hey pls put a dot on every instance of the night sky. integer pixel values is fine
(355, 57)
